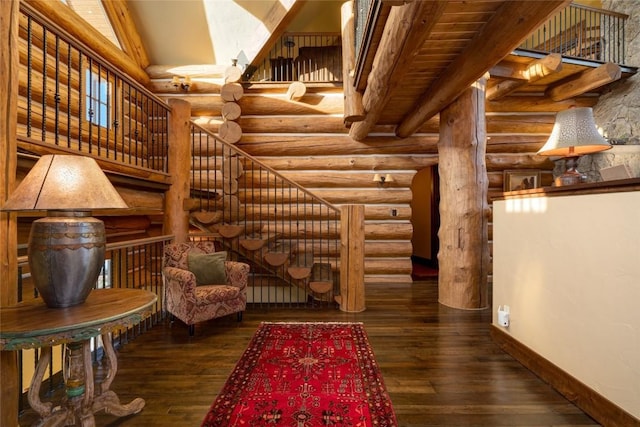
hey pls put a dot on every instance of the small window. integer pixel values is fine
(98, 94)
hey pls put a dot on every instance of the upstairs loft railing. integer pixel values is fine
(71, 99)
(306, 57)
(582, 32)
(577, 31)
(289, 237)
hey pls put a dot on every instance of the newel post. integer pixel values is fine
(176, 216)
(351, 298)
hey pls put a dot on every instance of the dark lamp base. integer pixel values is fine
(66, 255)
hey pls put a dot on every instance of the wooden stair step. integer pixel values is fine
(279, 253)
(257, 240)
(207, 217)
(299, 273)
(301, 266)
(321, 287)
(321, 278)
(276, 259)
(230, 231)
(252, 244)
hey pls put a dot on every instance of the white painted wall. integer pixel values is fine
(569, 269)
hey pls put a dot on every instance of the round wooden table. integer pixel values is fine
(34, 325)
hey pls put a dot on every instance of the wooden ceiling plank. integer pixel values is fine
(538, 69)
(589, 80)
(406, 30)
(486, 50)
(126, 31)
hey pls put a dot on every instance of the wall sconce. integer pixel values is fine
(382, 179)
(574, 134)
(184, 83)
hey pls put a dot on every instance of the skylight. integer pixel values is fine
(93, 12)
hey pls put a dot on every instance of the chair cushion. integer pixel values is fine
(208, 268)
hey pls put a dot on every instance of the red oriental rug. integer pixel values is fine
(304, 375)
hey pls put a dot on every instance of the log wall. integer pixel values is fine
(306, 141)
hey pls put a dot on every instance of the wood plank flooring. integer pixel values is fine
(439, 365)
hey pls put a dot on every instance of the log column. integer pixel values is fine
(464, 250)
(176, 214)
(9, 69)
(351, 298)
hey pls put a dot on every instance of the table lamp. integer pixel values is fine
(574, 134)
(66, 248)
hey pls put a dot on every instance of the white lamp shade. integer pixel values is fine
(574, 133)
(65, 183)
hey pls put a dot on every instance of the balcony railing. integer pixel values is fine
(71, 99)
(582, 32)
(302, 57)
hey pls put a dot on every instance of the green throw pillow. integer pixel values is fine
(208, 268)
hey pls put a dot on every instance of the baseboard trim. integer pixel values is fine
(584, 397)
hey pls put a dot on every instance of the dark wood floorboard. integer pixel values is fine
(439, 364)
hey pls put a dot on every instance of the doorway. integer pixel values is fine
(425, 219)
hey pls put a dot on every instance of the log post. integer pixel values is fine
(464, 249)
(353, 108)
(176, 217)
(351, 298)
(9, 70)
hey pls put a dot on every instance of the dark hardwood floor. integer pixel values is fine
(439, 365)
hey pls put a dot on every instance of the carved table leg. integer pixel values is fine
(107, 399)
(50, 416)
(43, 409)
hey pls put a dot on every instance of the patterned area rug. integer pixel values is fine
(304, 375)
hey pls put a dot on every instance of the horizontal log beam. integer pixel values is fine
(588, 80)
(284, 163)
(482, 53)
(329, 145)
(538, 69)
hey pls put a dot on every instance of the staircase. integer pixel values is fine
(288, 236)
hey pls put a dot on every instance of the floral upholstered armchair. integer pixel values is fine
(200, 284)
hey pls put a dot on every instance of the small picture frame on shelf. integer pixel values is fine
(524, 179)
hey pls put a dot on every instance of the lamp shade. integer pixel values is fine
(574, 133)
(65, 183)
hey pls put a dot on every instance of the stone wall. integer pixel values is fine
(618, 110)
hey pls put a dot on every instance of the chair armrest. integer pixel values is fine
(237, 274)
(180, 282)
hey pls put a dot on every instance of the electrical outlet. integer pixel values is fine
(504, 315)
(394, 212)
